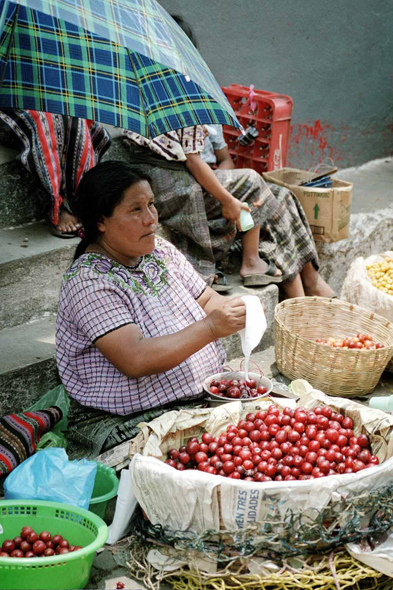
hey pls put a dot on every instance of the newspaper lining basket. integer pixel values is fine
(300, 321)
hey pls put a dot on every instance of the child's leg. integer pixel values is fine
(251, 262)
(313, 282)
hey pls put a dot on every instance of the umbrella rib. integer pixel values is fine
(9, 42)
(140, 93)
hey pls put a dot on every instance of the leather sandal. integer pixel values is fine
(260, 280)
(220, 283)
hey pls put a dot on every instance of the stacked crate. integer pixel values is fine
(271, 116)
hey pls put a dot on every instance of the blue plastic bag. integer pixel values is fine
(49, 475)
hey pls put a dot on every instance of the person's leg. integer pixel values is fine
(313, 283)
(251, 262)
(294, 288)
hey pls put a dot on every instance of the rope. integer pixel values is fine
(332, 571)
(368, 514)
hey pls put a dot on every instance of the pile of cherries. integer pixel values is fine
(30, 544)
(360, 341)
(280, 446)
(236, 389)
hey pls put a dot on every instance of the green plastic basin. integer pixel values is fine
(105, 487)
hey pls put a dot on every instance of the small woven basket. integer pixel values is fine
(300, 321)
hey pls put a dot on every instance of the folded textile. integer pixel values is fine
(20, 434)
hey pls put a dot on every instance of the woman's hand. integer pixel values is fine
(228, 318)
(231, 210)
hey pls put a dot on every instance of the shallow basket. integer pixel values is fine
(60, 572)
(300, 321)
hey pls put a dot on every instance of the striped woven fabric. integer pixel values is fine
(20, 434)
(124, 63)
(57, 150)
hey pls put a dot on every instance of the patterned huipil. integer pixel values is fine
(99, 295)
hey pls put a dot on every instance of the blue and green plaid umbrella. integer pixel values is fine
(122, 62)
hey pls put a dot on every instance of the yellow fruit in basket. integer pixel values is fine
(381, 275)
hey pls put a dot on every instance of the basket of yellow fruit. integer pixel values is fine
(340, 348)
(381, 277)
(380, 274)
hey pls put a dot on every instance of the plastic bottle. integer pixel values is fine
(246, 220)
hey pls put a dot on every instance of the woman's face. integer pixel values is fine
(130, 231)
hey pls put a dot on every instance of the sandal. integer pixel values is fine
(220, 283)
(61, 234)
(260, 280)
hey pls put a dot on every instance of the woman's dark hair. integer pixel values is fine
(99, 192)
(183, 24)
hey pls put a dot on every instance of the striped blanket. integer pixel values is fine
(20, 434)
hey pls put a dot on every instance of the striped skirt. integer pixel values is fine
(199, 231)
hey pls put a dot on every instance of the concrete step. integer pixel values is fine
(27, 353)
(22, 197)
(32, 262)
(27, 364)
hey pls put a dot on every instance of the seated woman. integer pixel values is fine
(137, 327)
(57, 150)
(201, 207)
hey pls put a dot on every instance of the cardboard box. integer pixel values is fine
(328, 210)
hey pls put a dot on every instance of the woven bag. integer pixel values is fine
(300, 321)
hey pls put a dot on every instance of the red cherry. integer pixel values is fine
(183, 457)
(17, 541)
(363, 441)
(25, 546)
(342, 441)
(39, 547)
(8, 546)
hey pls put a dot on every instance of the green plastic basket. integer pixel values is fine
(106, 485)
(60, 572)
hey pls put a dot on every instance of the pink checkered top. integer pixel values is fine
(98, 295)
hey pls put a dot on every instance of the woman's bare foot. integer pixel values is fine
(68, 223)
(255, 266)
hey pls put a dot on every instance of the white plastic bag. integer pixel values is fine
(380, 558)
(125, 507)
(358, 289)
(255, 328)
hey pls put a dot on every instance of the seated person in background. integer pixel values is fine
(215, 150)
(57, 150)
(137, 327)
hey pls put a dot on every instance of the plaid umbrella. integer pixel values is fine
(122, 62)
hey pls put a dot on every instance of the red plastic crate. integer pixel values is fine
(272, 118)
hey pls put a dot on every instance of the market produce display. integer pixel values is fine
(280, 446)
(30, 544)
(381, 275)
(360, 341)
(236, 388)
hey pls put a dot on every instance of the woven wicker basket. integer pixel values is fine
(300, 321)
